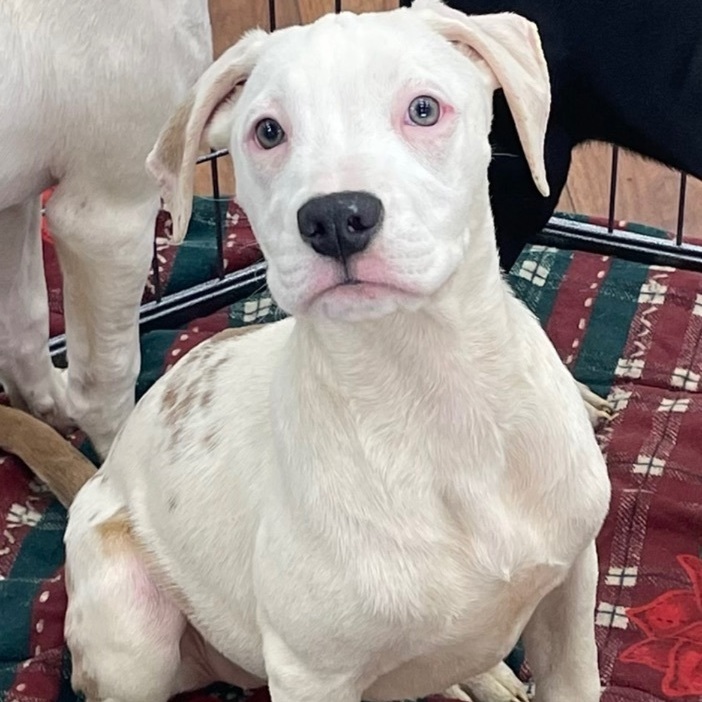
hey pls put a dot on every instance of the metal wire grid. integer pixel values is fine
(179, 308)
(613, 241)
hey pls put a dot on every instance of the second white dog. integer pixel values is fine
(376, 497)
(85, 88)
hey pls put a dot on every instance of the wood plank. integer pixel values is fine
(369, 5)
(565, 202)
(231, 18)
(289, 12)
(646, 193)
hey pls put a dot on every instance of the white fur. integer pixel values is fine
(84, 89)
(375, 497)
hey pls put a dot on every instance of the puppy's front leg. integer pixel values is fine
(290, 679)
(598, 408)
(560, 637)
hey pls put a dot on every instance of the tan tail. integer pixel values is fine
(63, 468)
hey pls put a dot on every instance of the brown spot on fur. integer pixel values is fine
(169, 399)
(177, 414)
(210, 441)
(116, 534)
(179, 399)
(172, 504)
(210, 375)
(206, 398)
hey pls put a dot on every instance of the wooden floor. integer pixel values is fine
(646, 193)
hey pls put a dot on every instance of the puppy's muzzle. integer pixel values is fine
(340, 225)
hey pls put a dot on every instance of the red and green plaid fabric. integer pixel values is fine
(629, 330)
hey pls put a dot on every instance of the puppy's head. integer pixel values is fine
(361, 148)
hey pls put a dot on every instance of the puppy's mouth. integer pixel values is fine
(352, 289)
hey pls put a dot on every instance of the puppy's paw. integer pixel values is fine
(598, 409)
(497, 685)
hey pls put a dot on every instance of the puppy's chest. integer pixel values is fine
(467, 592)
(433, 578)
(464, 568)
(447, 548)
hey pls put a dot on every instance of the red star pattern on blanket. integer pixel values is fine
(672, 624)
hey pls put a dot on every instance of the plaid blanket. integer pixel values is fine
(630, 331)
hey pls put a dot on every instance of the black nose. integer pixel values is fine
(341, 224)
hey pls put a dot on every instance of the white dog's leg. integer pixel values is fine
(104, 247)
(497, 685)
(560, 637)
(597, 407)
(26, 371)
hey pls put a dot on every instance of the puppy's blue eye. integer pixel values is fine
(424, 111)
(269, 133)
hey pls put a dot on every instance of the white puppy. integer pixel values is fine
(84, 89)
(375, 497)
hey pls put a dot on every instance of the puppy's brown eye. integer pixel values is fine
(424, 111)
(269, 133)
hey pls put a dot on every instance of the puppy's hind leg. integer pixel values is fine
(122, 631)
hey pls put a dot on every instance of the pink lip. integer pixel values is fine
(358, 290)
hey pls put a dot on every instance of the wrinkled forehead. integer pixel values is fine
(347, 57)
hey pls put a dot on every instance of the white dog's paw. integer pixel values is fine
(46, 403)
(597, 407)
(456, 693)
(497, 685)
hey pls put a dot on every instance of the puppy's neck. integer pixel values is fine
(462, 329)
(405, 396)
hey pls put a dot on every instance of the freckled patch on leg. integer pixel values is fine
(116, 534)
(206, 398)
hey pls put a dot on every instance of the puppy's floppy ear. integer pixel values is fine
(172, 160)
(510, 46)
